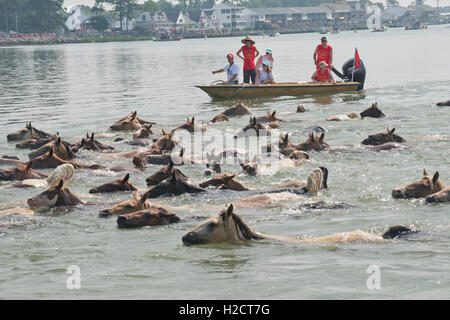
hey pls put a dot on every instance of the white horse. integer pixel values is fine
(229, 227)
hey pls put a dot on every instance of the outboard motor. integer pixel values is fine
(347, 69)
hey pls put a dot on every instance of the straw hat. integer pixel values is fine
(248, 38)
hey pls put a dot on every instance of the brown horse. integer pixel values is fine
(443, 103)
(253, 128)
(313, 143)
(144, 132)
(439, 197)
(372, 112)
(162, 174)
(212, 164)
(224, 181)
(166, 142)
(300, 108)
(175, 185)
(60, 148)
(220, 118)
(50, 160)
(229, 227)
(29, 132)
(250, 167)
(33, 144)
(190, 126)
(269, 117)
(54, 196)
(21, 172)
(426, 186)
(120, 184)
(383, 137)
(129, 123)
(134, 204)
(283, 143)
(146, 217)
(89, 143)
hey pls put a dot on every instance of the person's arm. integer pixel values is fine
(258, 63)
(239, 54)
(257, 52)
(330, 77)
(314, 57)
(313, 78)
(218, 71)
(331, 58)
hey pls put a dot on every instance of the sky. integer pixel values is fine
(69, 3)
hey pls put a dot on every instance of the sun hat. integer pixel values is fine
(269, 50)
(266, 63)
(230, 55)
(324, 39)
(248, 38)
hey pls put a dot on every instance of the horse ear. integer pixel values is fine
(425, 173)
(170, 165)
(435, 177)
(229, 177)
(181, 152)
(230, 210)
(58, 141)
(193, 120)
(60, 184)
(133, 116)
(29, 165)
(125, 179)
(208, 156)
(163, 132)
(375, 104)
(391, 132)
(286, 138)
(92, 136)
(87, 135)
(273, 113)
(321, 137)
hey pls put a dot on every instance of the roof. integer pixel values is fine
(194, 15)
(398, 11)
(339, 7)
(279, 10)
(314, 9)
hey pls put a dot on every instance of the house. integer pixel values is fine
(155, 21)
(229, 15)
(77, 16)
(397, 16)
(208, 20)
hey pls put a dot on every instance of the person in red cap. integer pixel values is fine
(232, 70)
(323, 52)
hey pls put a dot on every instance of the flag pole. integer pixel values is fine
(353, 70)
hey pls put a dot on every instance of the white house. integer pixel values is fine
(77, 15)
(229, 16)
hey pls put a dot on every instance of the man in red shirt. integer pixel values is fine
(250, 53)
(323, 52)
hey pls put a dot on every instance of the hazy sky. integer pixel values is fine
(69, 3)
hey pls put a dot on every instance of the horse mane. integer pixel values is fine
(241, 228)
(317, 180)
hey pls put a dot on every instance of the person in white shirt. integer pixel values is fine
(266, 76)
(232, 70)
(267, 57)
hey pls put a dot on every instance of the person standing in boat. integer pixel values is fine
(323, 52)
(250, 53)
(322, 74)
(266, 76)
(264, 58)
(232, 70)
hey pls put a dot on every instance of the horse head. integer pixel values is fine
(313, 143)
(383, 137)
(56, 195)
(120, 184)
(146, 217)
(223, 227)
(426, 186)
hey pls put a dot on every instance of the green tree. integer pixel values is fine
(99, 23)
(124, 8)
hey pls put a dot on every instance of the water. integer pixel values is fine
(81, 88)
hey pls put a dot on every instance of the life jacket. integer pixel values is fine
(323, 54)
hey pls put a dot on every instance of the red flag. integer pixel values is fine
(357, 60)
